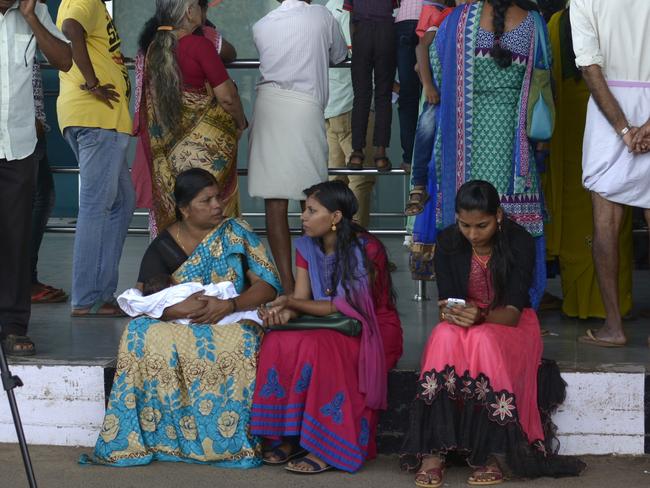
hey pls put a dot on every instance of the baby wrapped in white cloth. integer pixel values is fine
(134, 303)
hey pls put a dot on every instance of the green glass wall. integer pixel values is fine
(234, 19)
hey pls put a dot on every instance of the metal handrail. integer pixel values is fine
(244, 171)
(70, 229)
(239, 64)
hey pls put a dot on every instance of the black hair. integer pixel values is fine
(482, 196)
(501, 55)
(335, 195)
(155, 284)
(188, 185)
(449, 3)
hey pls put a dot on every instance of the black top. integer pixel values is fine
(162, 257)
(453, 259)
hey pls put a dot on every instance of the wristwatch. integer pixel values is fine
(624, 131)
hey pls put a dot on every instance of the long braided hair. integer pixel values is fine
(502, 56)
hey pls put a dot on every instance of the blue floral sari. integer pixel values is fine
(184, 392)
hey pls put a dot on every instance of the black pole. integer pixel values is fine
(9, 382)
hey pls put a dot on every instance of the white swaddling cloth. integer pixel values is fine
(134, 303)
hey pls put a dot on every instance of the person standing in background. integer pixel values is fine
(26, 26)
(569, 230)
(338, 122)
(372, 28)
(608, 41)
(44, 195)
(287, 142)
(93, 111)
(406, 20)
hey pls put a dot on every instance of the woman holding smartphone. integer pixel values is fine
(478, 385)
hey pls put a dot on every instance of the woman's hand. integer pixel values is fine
(213, 311)
(182, 310)
(275, 316)
(463, 316)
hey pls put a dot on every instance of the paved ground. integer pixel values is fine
(56, 467)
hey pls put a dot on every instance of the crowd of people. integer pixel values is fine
(291, 368)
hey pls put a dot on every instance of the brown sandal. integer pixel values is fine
(360, 158)
(386, 166)
(418, 197)
(485, 476)
(430, 478)
(18, 345)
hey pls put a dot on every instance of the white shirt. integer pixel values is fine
(134, 303)
(17, 50)
(296, 43)
(340, 79)
(614, 35)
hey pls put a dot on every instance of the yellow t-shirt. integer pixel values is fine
(77, 107)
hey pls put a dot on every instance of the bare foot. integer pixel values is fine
(609, 334)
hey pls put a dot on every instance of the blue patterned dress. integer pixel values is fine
(184, 392)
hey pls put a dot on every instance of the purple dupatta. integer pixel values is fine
(372, 361)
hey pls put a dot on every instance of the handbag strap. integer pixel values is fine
(540, 41)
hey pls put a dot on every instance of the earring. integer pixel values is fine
(499, 223)
(333, 227)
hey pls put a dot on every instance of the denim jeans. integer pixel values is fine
(410, 87)
(106, 204)
(423, 148)
(43, 203)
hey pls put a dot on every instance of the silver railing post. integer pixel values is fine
(421, 292)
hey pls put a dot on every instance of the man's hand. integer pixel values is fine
(27, 8)
(641, 141)
(629, 138)
(105, 93)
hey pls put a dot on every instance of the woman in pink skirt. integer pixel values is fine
(478, 388)
(318, 392)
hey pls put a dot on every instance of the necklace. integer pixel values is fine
(482, 262)
(178, 238)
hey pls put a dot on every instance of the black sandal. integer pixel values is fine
(316, 468)
(359, 156)
(283, 457)
(386, 166)
(14, 344)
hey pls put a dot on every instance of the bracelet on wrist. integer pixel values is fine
(91, 88)
(624, 131)
(234, 304)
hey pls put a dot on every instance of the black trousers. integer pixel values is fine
(373, 52)
(17, 180)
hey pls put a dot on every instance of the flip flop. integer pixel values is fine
(495, 476)
(435, 477)
(94, 311)
(591, 339)
(282, 456)
(316, 468)
(49, 295)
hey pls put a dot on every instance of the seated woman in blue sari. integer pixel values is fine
(184, 392)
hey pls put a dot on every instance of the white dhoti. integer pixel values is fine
(608, 168)
(287, 144)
